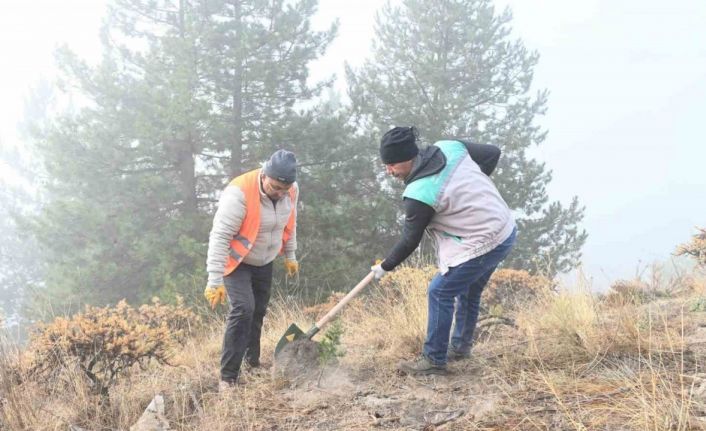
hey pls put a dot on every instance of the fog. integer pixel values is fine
(627, 99)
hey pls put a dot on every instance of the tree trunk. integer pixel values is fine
(187, 177)
(236, 149)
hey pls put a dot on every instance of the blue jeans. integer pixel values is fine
(464, 284)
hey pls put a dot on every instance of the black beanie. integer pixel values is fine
(398, 145)
(282, 166)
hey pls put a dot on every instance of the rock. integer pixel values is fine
(153, 418)
(437, 418)
(382, 409)
(372, 401)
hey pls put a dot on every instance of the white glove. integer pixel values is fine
(379, 272)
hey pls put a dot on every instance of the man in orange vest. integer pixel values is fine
(256, 220)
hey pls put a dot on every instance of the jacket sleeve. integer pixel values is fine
(226, 223)
(417, 218)
(290, 246)
(486, 156)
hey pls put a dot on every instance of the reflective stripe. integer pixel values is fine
(235, 255)
(243, 240)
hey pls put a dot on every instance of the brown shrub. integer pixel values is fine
(696, 248)
(508, 288)
(103, 342)
(693, 285)
(625, 292)
(317, 311)
(180, 320)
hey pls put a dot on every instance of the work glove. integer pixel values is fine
(291, 266)
(377, 269)
(214, 295)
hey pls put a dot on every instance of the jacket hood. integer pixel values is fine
(429, 161)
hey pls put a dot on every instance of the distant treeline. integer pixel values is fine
(191, 93)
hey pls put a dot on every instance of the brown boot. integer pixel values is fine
(456, 355)
(421, 366)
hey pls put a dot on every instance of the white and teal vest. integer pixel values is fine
(471, 217)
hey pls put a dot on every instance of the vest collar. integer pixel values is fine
(429, 161)
(259, 185)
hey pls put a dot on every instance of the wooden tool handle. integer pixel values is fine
(342, 303)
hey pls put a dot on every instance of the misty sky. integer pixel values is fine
(627, 105)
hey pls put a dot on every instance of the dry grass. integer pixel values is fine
(603, 366)
(15, 404)
(573, 362)
(390, 322)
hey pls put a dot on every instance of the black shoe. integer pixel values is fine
(227, 386)
(253, 363)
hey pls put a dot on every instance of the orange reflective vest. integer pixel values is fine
(243, 241)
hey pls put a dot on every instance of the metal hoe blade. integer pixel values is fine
(292, 333)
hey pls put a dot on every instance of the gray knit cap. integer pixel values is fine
(282, 166)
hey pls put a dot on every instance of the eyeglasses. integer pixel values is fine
(275, 186)
(278, 188)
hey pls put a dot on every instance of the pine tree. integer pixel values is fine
(135, 168)
(20, 267)
(122, 216)
(340, 225)
(450, 68)
(258, 53)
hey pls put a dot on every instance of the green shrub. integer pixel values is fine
(699, 304)
(330, 345)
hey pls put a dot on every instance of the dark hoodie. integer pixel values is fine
(430, 161)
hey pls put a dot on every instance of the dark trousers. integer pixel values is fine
(248, 290)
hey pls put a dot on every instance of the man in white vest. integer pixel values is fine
(449, 194)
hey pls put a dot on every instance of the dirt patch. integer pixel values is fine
(296, 363)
